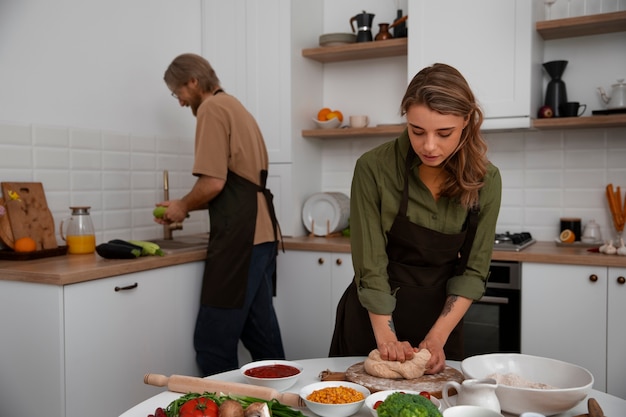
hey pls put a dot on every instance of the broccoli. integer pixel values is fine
(400, 404)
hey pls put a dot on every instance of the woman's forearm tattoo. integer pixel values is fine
(391, 326)
(447, 307)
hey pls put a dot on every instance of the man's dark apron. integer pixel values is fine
(421, 261)
(233, 220)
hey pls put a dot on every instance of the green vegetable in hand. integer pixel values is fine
(159, 212)
(400, 404)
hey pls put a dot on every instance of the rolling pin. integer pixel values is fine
(186, 384)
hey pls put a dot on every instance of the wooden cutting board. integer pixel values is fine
(6, 234)
(28, 213)
(431, 383)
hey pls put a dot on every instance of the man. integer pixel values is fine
(231, 165)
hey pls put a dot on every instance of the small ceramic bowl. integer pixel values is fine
(278, 383)
(333, 410)
(328, 124)
(382, 395)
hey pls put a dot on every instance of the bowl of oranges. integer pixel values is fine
(328, 119)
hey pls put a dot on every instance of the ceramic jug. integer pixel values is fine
(617, 99)
(78, 231)
(480, 392)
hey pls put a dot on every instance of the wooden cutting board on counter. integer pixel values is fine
(28, 213)
(431, 383)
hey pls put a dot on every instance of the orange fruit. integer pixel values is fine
(321, 115)
(567, 236)
(335, 114)
(25, 244)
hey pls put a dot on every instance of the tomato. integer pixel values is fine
(425, 394)
(376, 404)
(199, 407)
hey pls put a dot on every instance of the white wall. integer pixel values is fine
(83, 106)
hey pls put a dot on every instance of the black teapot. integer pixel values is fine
(364, 25)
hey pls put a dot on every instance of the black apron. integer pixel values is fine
(233, 221)
(421, 261)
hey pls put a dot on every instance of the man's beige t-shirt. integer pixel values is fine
(228, 138)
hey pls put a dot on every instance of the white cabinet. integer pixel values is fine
(307, 292)
(67, 351)
(576, 314)
(495, 46)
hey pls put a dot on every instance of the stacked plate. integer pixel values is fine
(331, 39)
(326, 213)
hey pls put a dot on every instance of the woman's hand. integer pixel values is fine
(396, 351)
(437, 361)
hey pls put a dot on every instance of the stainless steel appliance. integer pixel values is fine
(493, 324)
(512, 241)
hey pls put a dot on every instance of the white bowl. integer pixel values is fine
(381, 395)
(279, 384)
(333, 410)
(573, 382)
(328, 124)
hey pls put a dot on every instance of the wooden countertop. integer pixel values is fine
(540, 252)
(71, 269)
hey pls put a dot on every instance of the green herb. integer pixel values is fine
(276, 408)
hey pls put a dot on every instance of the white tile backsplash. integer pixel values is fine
(120, 176)
(545, 175)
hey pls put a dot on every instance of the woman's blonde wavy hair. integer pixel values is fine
(443, 89)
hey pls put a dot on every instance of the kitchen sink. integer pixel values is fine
(183, 242)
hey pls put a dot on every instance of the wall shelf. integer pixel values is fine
(570, 27)
(355, 51)
(349, 132)
(587, 122)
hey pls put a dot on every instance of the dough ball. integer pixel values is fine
(412, 369)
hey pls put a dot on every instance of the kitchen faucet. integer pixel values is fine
(168, 228)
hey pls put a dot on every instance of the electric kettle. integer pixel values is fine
(364, 25)
(617, 99)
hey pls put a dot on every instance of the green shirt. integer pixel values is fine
(375, 198)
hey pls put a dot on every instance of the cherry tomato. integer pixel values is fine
(199, 407)
(425, 394)
(376, 404)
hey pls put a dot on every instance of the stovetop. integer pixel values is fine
(512, 241)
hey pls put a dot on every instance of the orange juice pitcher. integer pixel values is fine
(79, 232)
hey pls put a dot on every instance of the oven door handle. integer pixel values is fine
(487, 299)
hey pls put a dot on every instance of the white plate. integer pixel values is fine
(326, 213)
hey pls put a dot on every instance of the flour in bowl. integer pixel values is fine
(516, 381)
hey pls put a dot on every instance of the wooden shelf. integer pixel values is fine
(349, 132)
(587, 122)
(361, 50)
(596, 24)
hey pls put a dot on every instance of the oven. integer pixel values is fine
(493, 324)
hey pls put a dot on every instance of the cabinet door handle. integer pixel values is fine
(320, 261)
(621, 280)
(593, 277)
(126, 288)
(338, 261)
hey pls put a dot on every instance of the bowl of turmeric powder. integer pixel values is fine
(334, 398)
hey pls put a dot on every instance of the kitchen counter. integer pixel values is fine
(72, 269)
(540, 252)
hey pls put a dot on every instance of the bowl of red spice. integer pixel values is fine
(277, 374)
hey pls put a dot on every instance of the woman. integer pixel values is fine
(423, 215)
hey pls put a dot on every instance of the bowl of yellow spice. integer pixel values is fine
(334, 398)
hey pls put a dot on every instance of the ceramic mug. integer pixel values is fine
(359, 121)
(572, 109)
(470, 411)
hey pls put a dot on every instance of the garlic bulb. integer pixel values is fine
(610, 249)
(622, 249)
(602, 249)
